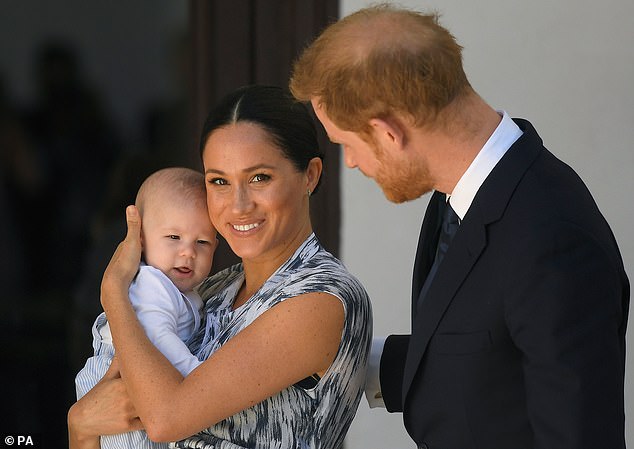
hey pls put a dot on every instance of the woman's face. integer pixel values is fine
(256, 197)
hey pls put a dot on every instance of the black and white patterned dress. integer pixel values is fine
(297, 417)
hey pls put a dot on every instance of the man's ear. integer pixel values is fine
(390, 132)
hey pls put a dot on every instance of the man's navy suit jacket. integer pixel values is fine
(520, 340)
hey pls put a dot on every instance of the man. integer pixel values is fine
(519, 315)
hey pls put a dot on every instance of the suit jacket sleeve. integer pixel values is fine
(391, 371)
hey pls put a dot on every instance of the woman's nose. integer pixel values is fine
(242, 201)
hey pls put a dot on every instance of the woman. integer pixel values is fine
(286, 332)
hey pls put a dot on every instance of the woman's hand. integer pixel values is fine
(125, 261)
(104, 410)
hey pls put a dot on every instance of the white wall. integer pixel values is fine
(568, 67)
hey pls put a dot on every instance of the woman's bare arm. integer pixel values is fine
(291, 341)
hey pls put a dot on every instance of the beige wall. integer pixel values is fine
(568, 67)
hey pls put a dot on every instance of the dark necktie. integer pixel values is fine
(450, 223)
(448, 228)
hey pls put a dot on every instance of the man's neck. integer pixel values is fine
(452, 150)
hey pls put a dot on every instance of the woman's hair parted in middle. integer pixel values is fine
(286, 120)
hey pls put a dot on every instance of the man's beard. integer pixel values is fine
(399, 180)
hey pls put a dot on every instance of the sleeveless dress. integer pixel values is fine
(317, 416)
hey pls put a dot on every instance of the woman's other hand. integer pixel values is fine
(104, 410)
(125, 261)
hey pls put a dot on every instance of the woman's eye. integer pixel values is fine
(260, 177)
(218, 181)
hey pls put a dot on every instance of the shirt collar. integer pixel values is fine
(505, 135)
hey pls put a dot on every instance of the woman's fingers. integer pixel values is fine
(133, 220)
(136, 424)
(125, 261)
(129, 251)
(113, 370)
(105, 410)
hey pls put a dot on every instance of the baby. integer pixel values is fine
(178, 246)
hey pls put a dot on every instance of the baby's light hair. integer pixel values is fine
(172, 184)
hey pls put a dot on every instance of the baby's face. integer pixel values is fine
(179, 240)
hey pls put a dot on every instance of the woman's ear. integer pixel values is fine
(313, 173)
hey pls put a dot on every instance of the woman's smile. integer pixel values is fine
(245, 227)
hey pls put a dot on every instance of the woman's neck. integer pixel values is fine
(258, 270)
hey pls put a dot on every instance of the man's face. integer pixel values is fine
(357, 153)
(401, 177)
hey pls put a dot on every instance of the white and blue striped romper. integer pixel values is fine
(316, 416)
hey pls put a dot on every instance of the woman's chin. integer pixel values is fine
(244, 250)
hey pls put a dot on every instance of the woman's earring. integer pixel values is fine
(308, 192)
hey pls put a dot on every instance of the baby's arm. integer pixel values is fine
(165, 316)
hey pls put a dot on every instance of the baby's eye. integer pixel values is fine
(174, 237)
(260, 177)
(203, 242)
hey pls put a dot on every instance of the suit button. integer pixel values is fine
(423, 446)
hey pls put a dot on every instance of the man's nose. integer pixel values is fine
(348, 158)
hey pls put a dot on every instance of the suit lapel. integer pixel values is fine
(470, 240)
(465, 249)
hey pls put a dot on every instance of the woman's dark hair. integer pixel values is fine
(286, 120)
